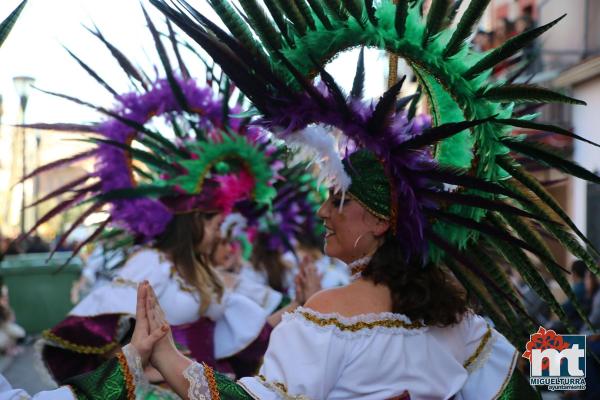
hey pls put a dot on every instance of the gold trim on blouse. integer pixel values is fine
(511, 371)
(128, 376)
(484, 341)
(209, 375)
(77, 348)
(280, 388)
(360, 325)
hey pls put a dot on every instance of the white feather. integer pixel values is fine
(316, 144)
(233, 225)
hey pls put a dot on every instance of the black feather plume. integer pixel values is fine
(509, 48)
(358, 85)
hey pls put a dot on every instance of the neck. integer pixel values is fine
(358, 266)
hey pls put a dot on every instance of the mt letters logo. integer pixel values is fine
(556, 361)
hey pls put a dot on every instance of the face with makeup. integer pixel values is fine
(352, 232)
(224, 253)
(212, 223)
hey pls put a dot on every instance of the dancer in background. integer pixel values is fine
(167, 192)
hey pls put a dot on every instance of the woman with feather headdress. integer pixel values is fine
(166, 196)
(420, 213)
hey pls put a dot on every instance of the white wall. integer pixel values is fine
(568, 35)
(586, 123)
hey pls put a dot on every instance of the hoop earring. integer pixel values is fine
(358, 240)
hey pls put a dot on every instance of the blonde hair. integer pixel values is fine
(181, 244)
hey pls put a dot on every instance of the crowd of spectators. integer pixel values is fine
(32, 244)
(507, 29)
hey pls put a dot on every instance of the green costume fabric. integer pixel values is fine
(519, 389)
(107, 382)
(229, 390)
(370, 185)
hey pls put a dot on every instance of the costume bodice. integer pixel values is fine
(381, 356)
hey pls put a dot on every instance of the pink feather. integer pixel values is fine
(233, 188)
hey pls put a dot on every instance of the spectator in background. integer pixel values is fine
(10, 332)
(37, 245)
(578, 273)
(530, 53)
(482, 40)
(8, 247)
(534, 304)
(505, 31)
(592, 289)
(523, 24)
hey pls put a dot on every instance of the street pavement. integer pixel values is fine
(21, 371)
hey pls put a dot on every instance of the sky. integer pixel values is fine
(35, 48)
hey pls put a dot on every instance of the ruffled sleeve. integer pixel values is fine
(489, 358)
(267, 298)
(7, 392)
(120, 296)
(240, 324)
(303, 360)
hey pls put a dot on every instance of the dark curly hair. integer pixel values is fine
(426, 293)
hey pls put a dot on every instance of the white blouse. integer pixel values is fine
(238, 319)
(381, 356)
(7, 392)
(267, 298)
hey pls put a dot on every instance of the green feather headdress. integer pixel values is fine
(274, 51)
(203, 160)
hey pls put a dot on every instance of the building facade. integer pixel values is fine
(41, 147)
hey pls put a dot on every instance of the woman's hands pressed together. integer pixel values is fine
(154, 342)
(146, 333)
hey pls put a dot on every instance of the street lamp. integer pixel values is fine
(22, 86)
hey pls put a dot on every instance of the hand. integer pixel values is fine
(229, 280)
(311, 278)
(145, 336)
(165, 346)
(308, 280)
(153, 375)
(76, 290)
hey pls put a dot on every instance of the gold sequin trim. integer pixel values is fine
(183, 285)
(120, 281)
(209, 374)
(369, 209)
(484, 341)
(278, 385)
(129, 381)
(358, 268)
(281, 389)
(357, 326)
(77, 348)
(511, 371)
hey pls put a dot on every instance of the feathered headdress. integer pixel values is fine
(292, 215)
(204, 160)
(451, 188)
